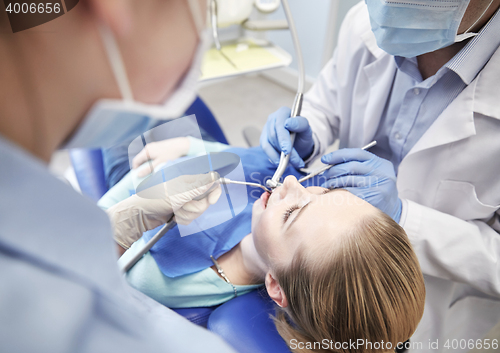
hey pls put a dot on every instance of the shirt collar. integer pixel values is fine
(409, 66)
(472, 58)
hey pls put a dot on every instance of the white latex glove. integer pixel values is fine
(156, 206)
(160, 152)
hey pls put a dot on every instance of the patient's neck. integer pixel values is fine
(242, 264)
(252, 262)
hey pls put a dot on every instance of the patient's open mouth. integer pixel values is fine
(265, 198)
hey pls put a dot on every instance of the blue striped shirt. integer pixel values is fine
(414, 104)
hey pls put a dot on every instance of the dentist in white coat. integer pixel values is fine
(423, 79)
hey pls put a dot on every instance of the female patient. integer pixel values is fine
(337, 267)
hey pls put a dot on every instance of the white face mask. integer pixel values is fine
(411, 28)
(113, 121)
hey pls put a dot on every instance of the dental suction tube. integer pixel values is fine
(296, 44)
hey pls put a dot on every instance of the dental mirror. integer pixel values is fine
(221, 162)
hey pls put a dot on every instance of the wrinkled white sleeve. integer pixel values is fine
(329, 103)
(457, 250)
(321, 109)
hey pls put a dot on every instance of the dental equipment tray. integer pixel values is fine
(247, 55)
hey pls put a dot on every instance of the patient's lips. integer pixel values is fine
(265, 198)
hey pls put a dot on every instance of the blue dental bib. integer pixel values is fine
(178, 255)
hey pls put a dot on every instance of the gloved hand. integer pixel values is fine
(365, 175)
(156, 205)
(160, 152)
(276, 137)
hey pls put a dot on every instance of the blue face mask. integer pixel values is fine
(409, 28)
(113, 121)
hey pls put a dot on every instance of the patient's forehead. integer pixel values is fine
(337, 197)
(330, 216)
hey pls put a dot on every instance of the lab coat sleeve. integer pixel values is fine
(451, 248)
(321, 109)
(330, 101)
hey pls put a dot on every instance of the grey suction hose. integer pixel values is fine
(213, 19)
(169, 225)
(297, 104)
(296, 44)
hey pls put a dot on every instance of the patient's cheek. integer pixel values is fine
(256, 216)
(264, 228)
(259, 230)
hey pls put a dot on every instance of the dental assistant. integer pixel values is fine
(422, 78)
(61, 289)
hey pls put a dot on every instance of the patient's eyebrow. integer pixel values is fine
(298, 215)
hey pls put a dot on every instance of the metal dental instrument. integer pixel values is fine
(297, 104)
(326, 167)
(255, 185)
(215, 31)
(171, 223)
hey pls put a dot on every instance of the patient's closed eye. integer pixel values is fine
(326, 191)
(289, 212)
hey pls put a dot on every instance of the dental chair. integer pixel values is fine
(244, 322)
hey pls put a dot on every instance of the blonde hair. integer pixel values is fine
(370, 287)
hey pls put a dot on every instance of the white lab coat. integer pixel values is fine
(60, 287)
(449, 182)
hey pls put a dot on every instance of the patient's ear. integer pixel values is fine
(275, 292)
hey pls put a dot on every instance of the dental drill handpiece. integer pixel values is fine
(297, 104)
(285, 159)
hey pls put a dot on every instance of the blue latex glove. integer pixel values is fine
(276, 137)
(365, 175)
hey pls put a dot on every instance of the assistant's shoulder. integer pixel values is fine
(355, 32)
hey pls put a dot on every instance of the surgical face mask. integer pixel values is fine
(113, 121)
(409, 28)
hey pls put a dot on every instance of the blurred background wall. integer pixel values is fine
(318, 22)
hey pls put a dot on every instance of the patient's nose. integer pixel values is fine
(291, 185)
